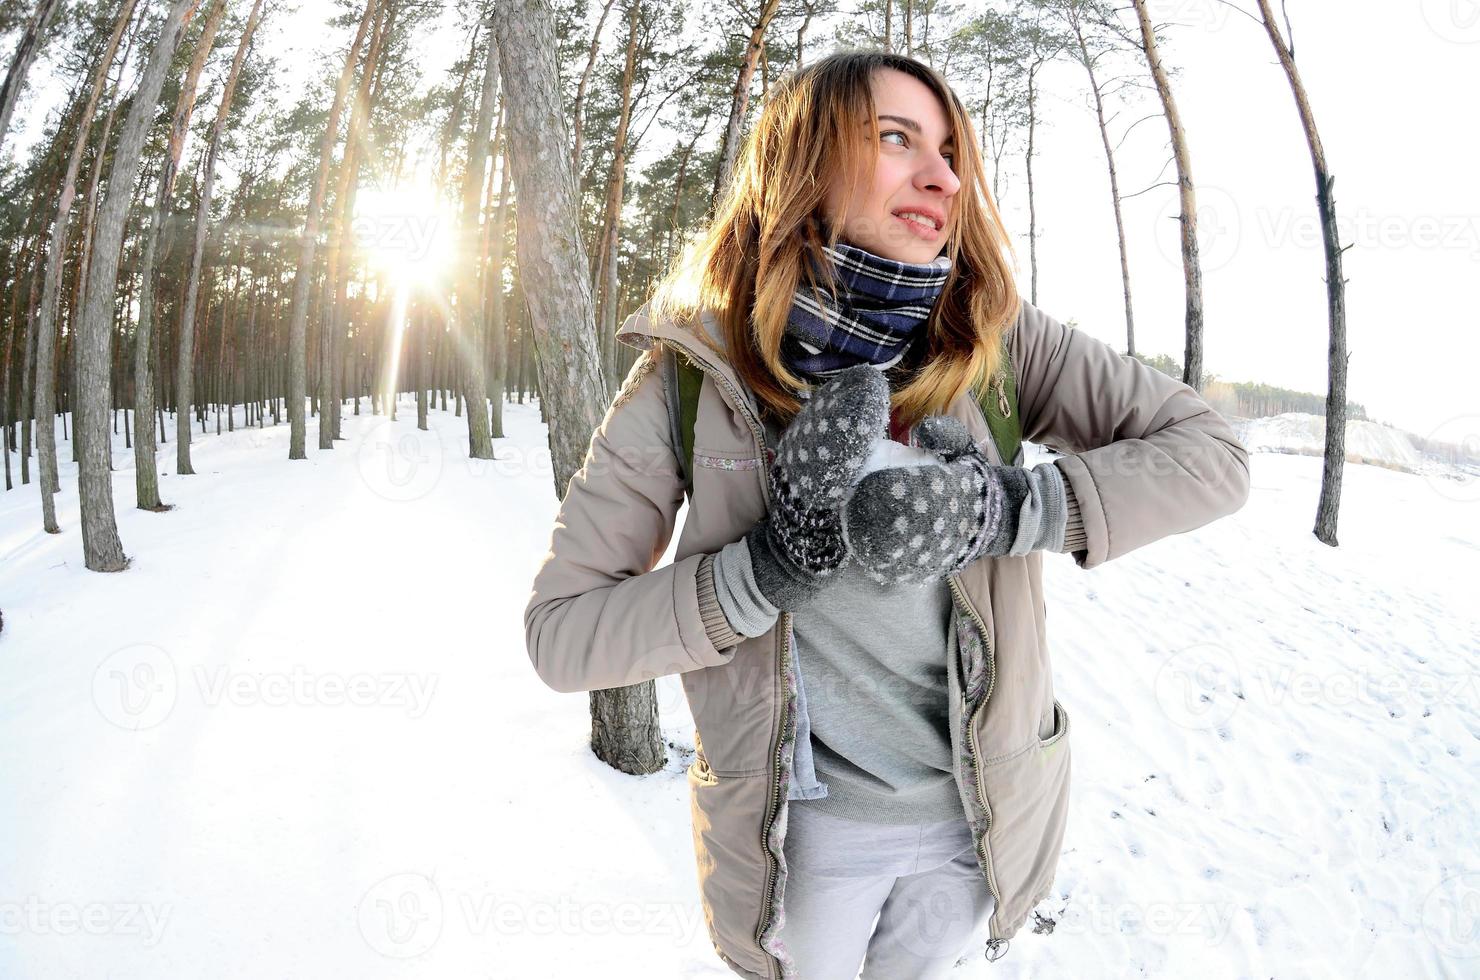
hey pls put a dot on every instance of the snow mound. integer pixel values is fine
(1305, 435)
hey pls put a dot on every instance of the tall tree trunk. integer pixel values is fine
(102, 550)
(1191, 263)
(336, 289)
(298, 326)
(577, 113)
(1087, 59)
(606, 275)
(1334, 459)
(146, 473)
(20, 64)
(184, 368)
(497, 318)
(1032, 200)
(624, 721)
(739, 99)
(467, 324)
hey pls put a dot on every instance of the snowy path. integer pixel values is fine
(300, 736)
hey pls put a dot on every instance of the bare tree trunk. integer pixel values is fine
(1191, 263)
(739, 98)
(606, 274)
(624, 721)
(1032, 201)
(298, 327)
(577, 114)
(146, 473)
(102, 550)
(468, 324)
(20, 64)
(1076, 24)
(336, 288)
(497, 317)
(184, 375)
(1334, 459)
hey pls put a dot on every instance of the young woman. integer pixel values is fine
(882, 770)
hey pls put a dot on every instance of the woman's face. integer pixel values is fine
(913, 175)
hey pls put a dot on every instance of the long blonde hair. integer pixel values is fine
(746, 265)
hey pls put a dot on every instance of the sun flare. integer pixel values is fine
(406, 233)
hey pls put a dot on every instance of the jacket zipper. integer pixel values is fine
(983, 849)
(996, 946)
(773, 965)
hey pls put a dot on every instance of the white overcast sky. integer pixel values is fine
(1393, 87)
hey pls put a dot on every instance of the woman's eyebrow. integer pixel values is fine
(909, 124)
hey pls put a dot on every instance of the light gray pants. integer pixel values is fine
(920, 883)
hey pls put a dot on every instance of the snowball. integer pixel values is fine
(888, 453)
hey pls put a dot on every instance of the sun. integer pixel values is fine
(407, 234)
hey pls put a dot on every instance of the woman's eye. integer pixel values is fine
(905, 141)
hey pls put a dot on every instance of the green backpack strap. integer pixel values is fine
(998, 401)
(682, 380)
(681, 383)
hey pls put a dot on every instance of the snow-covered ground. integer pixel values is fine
(300, 736)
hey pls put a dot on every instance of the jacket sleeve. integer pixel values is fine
(1148, 457)
(600, 615)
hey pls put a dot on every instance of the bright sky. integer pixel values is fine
(1384, 81)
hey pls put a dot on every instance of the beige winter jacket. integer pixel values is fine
(1147, 458)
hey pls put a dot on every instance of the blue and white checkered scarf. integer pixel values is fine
(882, 304)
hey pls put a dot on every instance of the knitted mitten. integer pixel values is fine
(799, 543)
(912, 524)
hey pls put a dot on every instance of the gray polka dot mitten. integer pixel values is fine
(922, 522)
(797, 546)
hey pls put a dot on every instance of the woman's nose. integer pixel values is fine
(938, 176)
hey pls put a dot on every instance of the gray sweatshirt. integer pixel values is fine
(872, 735)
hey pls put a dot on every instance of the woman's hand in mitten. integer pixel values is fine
(799, 544)
(924, 522)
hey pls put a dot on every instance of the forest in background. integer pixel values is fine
(195, 231)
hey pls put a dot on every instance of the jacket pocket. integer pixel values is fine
(1029, 794)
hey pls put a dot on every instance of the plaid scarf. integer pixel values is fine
(881, 305)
